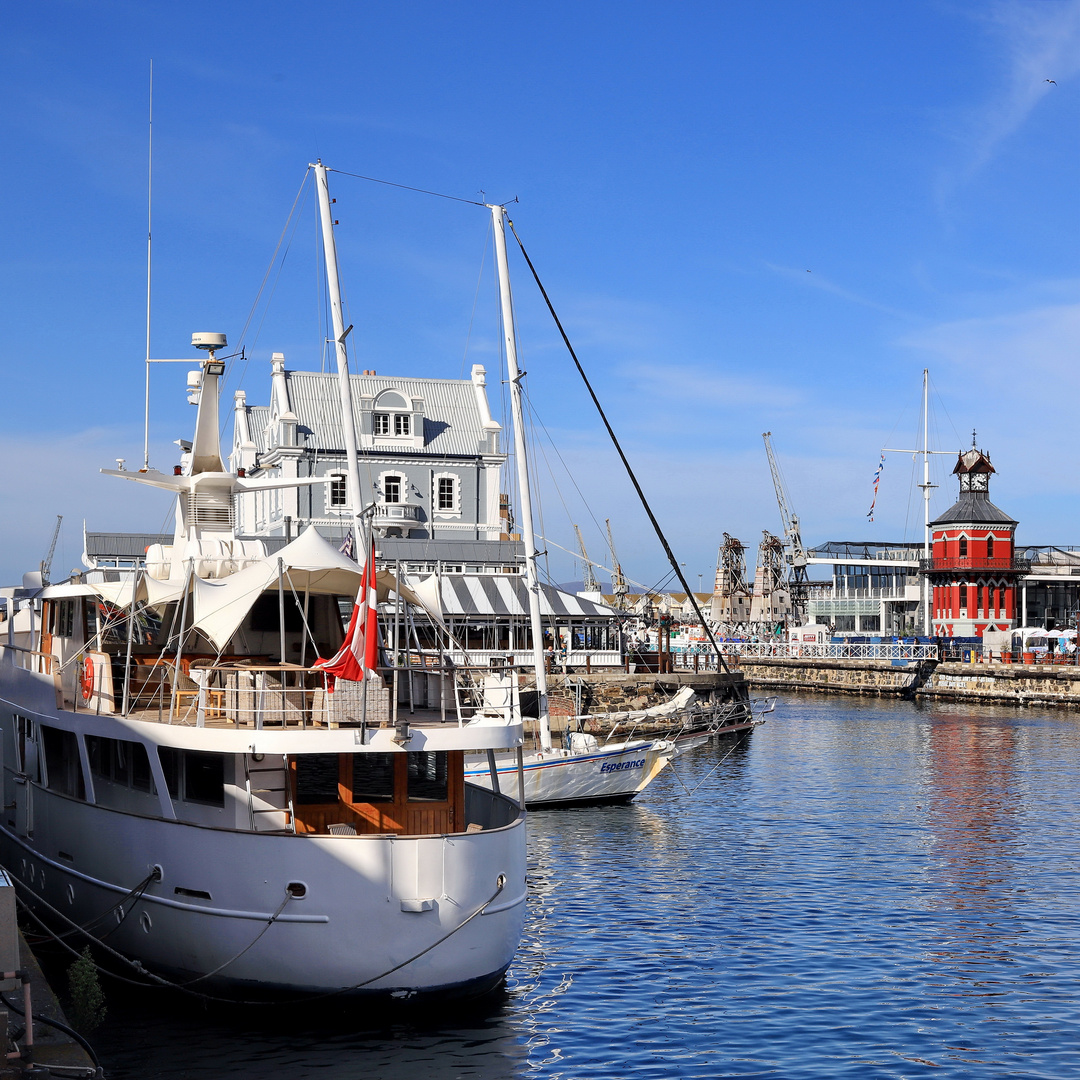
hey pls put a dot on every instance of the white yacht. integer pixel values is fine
(176, 784)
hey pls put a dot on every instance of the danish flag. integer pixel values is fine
(358, 655)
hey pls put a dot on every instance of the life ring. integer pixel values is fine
(88, 679)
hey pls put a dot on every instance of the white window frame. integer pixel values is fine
(403, 488)
(455, 509)
(403, 424)
(380, 424)
(337, 480)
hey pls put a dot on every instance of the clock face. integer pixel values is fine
(976, 482)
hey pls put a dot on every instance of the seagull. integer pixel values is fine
(1051, 81)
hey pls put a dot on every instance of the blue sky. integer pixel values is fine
(751, 217)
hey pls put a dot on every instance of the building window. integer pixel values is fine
(392, 489)
(338, 493)
(990, 547)
(445, 494)
(402, 424)
(381, 423)
(963, 547)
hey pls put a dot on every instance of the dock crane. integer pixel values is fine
(618, 582)
(588, 577)
(794, 552)
(46, 563)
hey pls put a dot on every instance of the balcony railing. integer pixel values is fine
(948, 563)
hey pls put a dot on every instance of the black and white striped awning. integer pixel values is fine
(505, 594)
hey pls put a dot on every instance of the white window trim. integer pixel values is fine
(406, 485)
(333, 507)
(456, 510)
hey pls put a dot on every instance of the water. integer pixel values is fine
(860, 889)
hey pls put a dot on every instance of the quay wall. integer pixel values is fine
(1017, 684)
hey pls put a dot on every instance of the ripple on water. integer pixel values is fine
(859, 889)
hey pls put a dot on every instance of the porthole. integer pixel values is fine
(296, 889)
(145, 923)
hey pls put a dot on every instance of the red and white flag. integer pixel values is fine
(359, 652)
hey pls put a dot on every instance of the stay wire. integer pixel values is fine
(406, 187)
(184, 987)
(618, 446)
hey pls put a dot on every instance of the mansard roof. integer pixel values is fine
(453, 424)
(973, 508)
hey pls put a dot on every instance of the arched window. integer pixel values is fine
(990, 546)
(963, 547)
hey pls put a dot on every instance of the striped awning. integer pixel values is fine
(505, 594)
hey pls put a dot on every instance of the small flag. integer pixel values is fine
(877, 480)
(346, 548)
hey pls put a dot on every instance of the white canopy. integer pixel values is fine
(309, 564)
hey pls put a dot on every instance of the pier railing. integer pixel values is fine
(792, 650)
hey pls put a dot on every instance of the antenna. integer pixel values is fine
(149, 231)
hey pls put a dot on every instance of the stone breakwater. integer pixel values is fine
(1018, 684)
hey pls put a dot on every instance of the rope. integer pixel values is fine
(183, 988)
(626, 464)
(734, 747)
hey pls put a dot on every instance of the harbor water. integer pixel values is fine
(859, 888)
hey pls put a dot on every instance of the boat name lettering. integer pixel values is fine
(616, 766)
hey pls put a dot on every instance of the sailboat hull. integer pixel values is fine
(561, 778)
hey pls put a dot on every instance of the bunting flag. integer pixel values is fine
(877, 480)
(346, 548)
(358, 656)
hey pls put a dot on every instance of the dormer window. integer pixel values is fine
(393, 416)
(402, 424)
(381, 423)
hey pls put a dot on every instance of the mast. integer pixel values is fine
(532, 581)
(341, 332)
(926, 488)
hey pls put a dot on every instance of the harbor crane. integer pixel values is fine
(618, 582)
(46, 563)
(588, 577)
(794, 552)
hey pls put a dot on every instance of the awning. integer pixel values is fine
(505, 594)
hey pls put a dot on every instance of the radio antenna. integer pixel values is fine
(149, 223)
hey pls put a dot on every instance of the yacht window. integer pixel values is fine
(392, 489)
(427, 776)
(373, 778)
(62, 767)
(200, 776)
(64, 619)
(402, 424)
(119, 761)
(381, 423)
(204, 778)
(316, 778)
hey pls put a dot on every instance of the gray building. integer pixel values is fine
(430, 461)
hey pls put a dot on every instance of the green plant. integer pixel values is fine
(87, 997)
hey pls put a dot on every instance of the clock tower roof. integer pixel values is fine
(974, 506)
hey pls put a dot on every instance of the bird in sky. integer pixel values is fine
(1054, 81)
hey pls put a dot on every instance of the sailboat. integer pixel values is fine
(232, 824)
(584, 771)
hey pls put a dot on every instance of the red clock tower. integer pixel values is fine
(973, 571)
